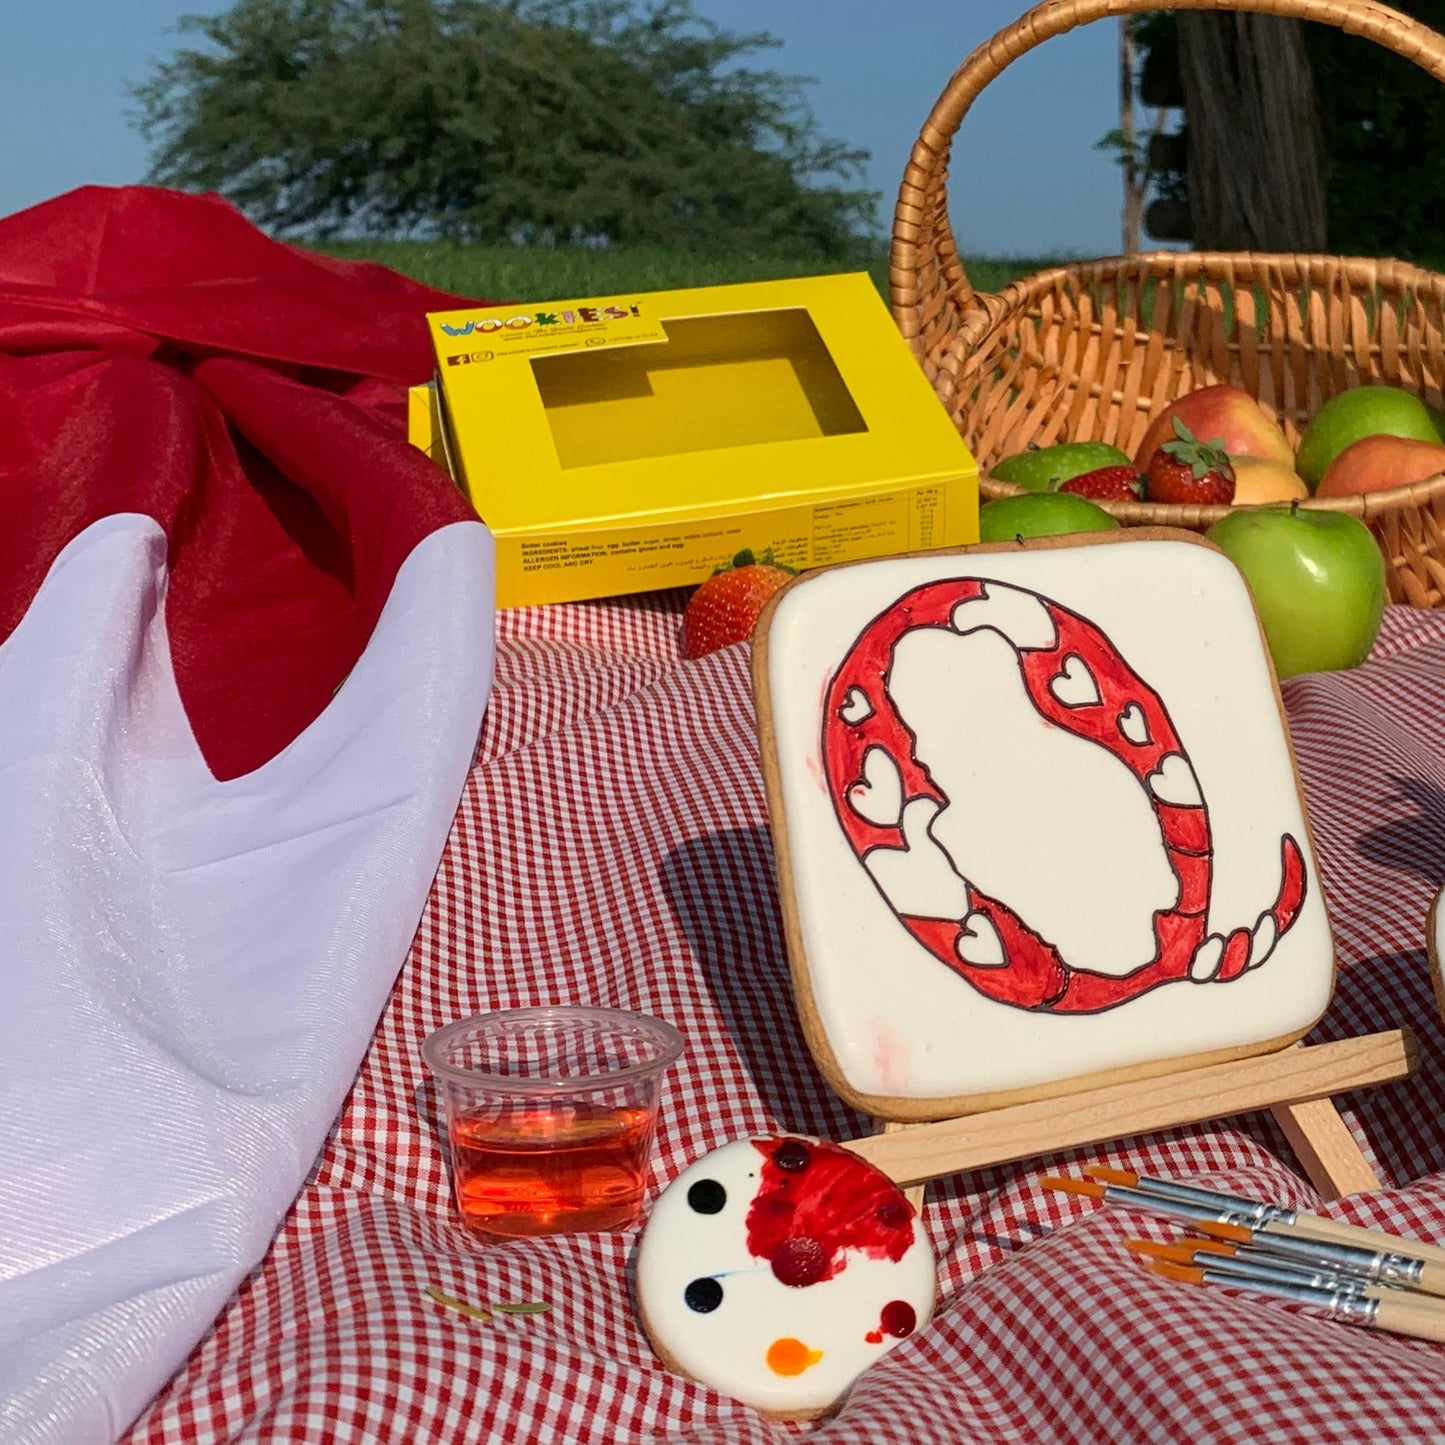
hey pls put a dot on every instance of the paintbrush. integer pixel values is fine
(1380, 1265)
(1400, 1314)
(1260, 1215)
(1137, 1199)
(1211, 1219)
(1237, 1263)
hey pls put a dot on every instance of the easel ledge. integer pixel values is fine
(1296, 1084)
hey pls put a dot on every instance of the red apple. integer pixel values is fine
(1318, 582)
(1376, 463)
(1222, 413)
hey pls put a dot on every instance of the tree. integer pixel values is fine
(1383, 120)
(499, 121)
(1255, 180)
(1336, 110)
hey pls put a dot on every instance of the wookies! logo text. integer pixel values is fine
(523, 321)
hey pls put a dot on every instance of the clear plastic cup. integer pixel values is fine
(551, 1114)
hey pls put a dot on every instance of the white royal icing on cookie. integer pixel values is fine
(778, 1269)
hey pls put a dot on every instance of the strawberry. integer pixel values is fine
(725, 608)
(1106, 484)
(1189, 470)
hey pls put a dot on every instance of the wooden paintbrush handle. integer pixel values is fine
(1430, 1303)
(1311, 1226)
(1403, 1316)
(1432, 1279)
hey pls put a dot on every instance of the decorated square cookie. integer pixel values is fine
(1037, 821)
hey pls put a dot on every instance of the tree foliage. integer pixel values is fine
(500, 121)
(1383, 120)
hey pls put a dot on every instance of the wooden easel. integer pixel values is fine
(1435, 949)
(1295, 1084)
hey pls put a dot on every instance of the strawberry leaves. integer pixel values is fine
(726, 607)
(748, 558)
(1190, 471)
(1200, 457)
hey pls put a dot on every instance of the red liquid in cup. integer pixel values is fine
(577, 1169)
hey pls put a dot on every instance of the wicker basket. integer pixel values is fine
(1090, 351)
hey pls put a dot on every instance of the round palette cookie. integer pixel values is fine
(778, 1269)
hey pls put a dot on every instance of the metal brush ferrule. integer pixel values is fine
(1290, 1289)
(1179, 1208)
(1400, 1271)
(1275, 1214)
(1274, 1269)
(1397, 1270)
(1342, 1304)
(1226, 1207)
(1354, 1309)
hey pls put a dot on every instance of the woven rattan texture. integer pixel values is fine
(612, 847)
(1090, 351)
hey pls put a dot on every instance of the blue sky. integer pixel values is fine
(1025, 178)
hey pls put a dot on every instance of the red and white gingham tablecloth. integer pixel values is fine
(612, 848)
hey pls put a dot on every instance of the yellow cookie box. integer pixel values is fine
(626, 443)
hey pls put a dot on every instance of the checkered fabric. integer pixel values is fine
(613, 848)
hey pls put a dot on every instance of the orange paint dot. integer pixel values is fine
(791, 1357)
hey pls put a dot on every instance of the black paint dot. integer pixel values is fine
(703, 1295)
(791, 1156)
(707, 1196)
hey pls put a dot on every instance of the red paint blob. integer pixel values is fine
(792, 1156)
(894, 1212)
(802, 1220)
(799, 1261)
(775, 1212)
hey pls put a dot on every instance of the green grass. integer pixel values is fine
(515, 273)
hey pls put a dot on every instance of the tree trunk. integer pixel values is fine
(1255, 179)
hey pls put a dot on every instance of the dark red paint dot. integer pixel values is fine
(792, 1156)
(800, 1261)
(898, 1318)
(893, 1213)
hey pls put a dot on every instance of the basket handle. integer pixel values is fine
(928, 285)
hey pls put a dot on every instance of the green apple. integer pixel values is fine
(1043, 468)
(1363, 411)
(1318, 582)
(1041, 514)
